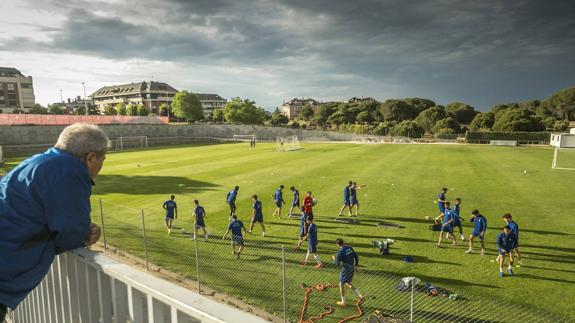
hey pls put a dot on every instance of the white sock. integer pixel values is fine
(357, 292)
(343, 299)
(316, 256)
(306, 256)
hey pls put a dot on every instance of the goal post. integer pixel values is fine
(289, 143)
(563, 158)
(125, 143)
(244, 137)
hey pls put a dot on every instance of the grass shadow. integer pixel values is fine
(141, 185)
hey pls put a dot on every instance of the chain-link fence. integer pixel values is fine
(269, 278)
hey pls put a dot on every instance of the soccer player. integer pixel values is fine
(258, 215)
(457, 218)
(353, 201)
(505, 242)
(441, 201)
(231, 200)
(348, 260)
(311, 237)
(199, 215)
(253, 142)
(307, 207)
(346, 198)
(515, 229)
(479, 227)
(302, 230)
(295, 201)
(171, 212)
(236, 226)
(279, 200)
(447, 225)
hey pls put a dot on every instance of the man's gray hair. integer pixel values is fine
(80, 139)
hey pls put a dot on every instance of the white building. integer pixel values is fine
(563, 140)
(16, 91)
(211, 102)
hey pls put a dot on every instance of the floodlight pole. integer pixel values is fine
(85, 105)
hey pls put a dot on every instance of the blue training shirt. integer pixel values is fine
(312, 234)
(295, 196)
(236, 227)
(44, 210)
(278, 195)
(479, 223)
(456, 209)
(447, 215)
(258, 208)
(346, 257)
(199, 212)
(506, 242)
(170, 207)
(231, 197)
(514, 228)
(441, 198)
(346, 193)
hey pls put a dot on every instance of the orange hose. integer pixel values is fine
(356, 316)
(328, 309)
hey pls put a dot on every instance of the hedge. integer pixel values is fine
(486, 136)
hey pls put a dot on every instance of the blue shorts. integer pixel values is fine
(346, 202)
(447, 228)
(258, 218)
(477, 234)
(232, 205)
(346, 275)
(354, 202)
(279, 203)
(456, 222)
(200, 224)
(308, 216)
(503, 252)
(239, 240)
(441, 207)
(169, 217)
(515, 245)
(295, 203)
(312, 247)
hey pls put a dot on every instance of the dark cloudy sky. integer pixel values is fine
(480, 52)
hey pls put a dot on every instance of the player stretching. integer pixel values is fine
(311, 237)
(505, 242)
(258, 215)
(346, 198)
(457, 218)
(479, 227)
(231, 200)
(441, 201)
(199, 215)
(236, 226)
(515, 230)
(171, 212)
(447, 225)
(353, 197)
(295, 201)
(348, 260)
(279, 200)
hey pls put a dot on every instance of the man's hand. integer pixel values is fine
(93, 234)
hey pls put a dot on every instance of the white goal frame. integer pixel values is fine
(555, 155)
(244, 137)
(289, 143)
(135, 142)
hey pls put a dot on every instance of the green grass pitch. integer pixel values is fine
(402, 183)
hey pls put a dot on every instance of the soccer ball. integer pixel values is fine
(314, 202)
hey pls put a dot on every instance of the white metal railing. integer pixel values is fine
(86, 286)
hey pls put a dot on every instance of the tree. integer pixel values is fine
(565, 110)
(407, 128)
(517, 119)
(428, 118)
(447, 125)
(365, 117)
(121, 109)
(56, 108)
(110, 110)
(483, 120)
(398, 110)
(307, 113)
(218, 115)
(163, 109)
(132, 110)
(563, 103)
(382, 129)
(462, 112)
(142, 110)
(188, 106)
(343, 115)
(38, 109)
(324, 111)
(420, 104)
(279, 118)
(243, 111)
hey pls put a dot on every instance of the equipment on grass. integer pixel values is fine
(383, 246)
(288, 143)
(125, 143)
(407, 283)
(563, 158)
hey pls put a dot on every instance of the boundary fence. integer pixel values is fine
(51, 119)
(270, 276)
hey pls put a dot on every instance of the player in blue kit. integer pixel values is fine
(479, 227)
(171, 212)
(199, 215)
(447, 225)
(311, 237)
(231, 200)
(258, 215)
(348, 260)
(346, 199)
(236, 226)
(279, 201)
(457, 218)
(302, 230)
(295, 202)
(515, 230)
(441, 201)
(505, 242)
(353, 201)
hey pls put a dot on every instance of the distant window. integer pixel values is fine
(10, 86)
(26, 85)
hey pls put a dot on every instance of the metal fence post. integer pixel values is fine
(103, 227)
(284, 286)
(145, 240)
(412, 309)
(197, 265)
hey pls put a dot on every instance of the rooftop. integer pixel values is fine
(130, 88)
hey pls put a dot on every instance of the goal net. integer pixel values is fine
(125, 143)
(564, 158)
(288, 143)
(244, 137)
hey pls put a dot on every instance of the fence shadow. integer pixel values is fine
(138, 184)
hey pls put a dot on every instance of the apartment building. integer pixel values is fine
(16, 91)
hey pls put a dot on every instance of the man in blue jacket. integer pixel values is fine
(45, 209)
(348, 260)
(506, 240)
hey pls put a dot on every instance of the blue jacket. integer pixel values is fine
(506, 242)
(44, 210)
